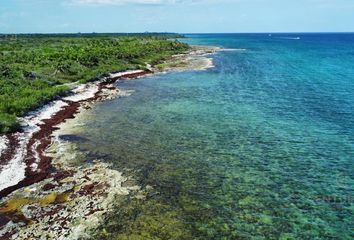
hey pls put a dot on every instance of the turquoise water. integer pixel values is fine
(259, 147)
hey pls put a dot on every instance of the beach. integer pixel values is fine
(39, 186)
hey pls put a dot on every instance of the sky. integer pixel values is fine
(182, 16)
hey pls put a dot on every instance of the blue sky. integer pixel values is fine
(44, 16)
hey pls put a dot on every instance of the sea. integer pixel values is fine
(261, 146)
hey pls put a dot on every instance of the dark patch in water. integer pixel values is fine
(92, 156)
(72, 138)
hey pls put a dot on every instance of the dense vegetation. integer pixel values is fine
(35, 69)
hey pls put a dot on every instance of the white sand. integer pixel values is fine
(35, 118)
(83, 92)
(14, 171)
(36, 155)
(3, 144)
(121, 74)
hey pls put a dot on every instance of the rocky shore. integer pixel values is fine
(44, 193)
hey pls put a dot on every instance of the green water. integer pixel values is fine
(259, 147)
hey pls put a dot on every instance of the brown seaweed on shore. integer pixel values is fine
(43, 137)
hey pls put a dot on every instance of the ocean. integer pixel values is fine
(261, 146)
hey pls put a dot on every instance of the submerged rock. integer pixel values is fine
(72, 138)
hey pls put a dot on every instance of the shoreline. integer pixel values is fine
(36, 135)
(34, 165)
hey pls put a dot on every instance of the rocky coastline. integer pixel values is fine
(53, 198)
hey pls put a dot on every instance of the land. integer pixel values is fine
(35, 69)
(47, 193)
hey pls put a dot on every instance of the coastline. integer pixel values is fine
(37, 128)
(47, 186)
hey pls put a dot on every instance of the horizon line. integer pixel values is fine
(187, 33)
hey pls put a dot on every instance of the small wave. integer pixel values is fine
(290, 38)
(125, 93)
(233, 49)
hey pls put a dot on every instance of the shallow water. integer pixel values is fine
(259, 147)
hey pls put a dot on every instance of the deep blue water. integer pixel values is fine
(259, 147)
